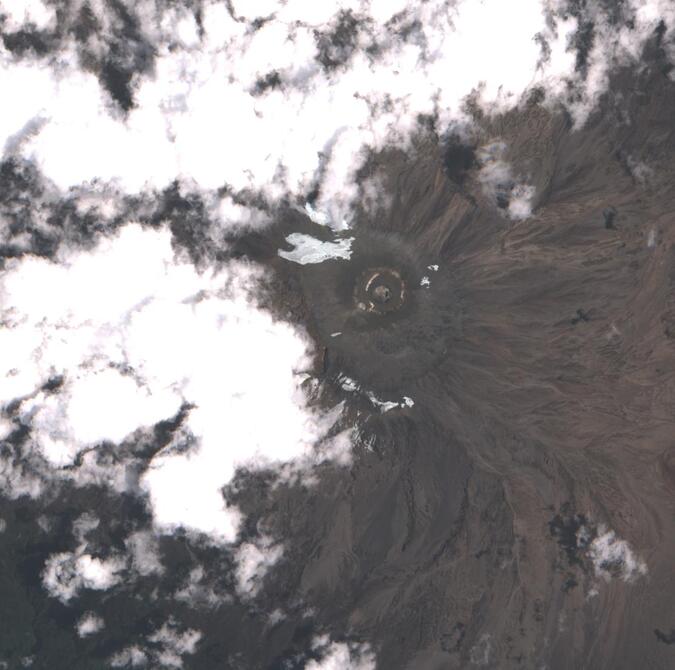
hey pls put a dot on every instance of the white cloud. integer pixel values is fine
(66, 573)
(96, 406)
(17, 478)
(144, 551)
(196, 117)
(481, 651)
(613, 556)
(253, 561)
(235, 216)
(137, 333)
(316, 216)
(89, 624)
(499, 183)
(84, 525)
(197, 592)
(164, 648)
(639, 170)
(173, 644)
(520, 202)
(6, 427)
(275, 617)
(17, 14)
(129, 657)
(114, 470)
(341, 656)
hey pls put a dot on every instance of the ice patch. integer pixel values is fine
(352, 386)
(348, 384)
(382, 405)
(309, 250)
(387, 405)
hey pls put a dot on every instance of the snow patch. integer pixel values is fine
(352, 386)
(310, 250)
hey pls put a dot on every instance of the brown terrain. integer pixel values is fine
(541, 361)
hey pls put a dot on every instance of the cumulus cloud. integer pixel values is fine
(510, 194)
(171, 644)
(134, 335)
(198, 592)
(283, 107)
(66, 573)
(32, 12)
(340, 656)
(143, 548)
(164, 648)
(520, 202)
(129, 657)
(17, 477)
(89, 624)
(6, 427)
(235, 215)
(612, 556)
(253, 561)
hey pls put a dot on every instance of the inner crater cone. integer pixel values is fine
(379, 290)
